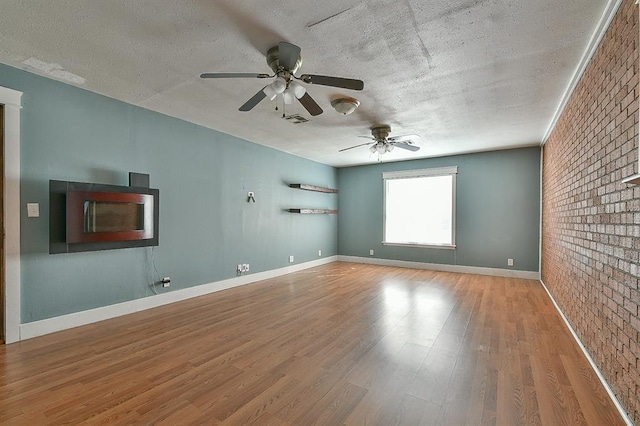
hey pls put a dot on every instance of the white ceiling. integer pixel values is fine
(466, 75)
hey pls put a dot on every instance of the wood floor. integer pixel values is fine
(338, 344)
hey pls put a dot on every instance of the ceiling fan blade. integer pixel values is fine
(233, 75)
(325, 80)
(255, 100)
(310, 105)
(355, 146)
(406, 146)
(288, 55)
(403, 138)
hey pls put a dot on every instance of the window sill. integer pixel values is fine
(431, 246)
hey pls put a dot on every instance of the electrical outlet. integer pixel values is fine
(245, 267)
(319, 253)
(290, 259)
(509, 262)
(166, 282)
(239, 270)
(371, 252)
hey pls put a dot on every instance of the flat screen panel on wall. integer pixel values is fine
(87, 217)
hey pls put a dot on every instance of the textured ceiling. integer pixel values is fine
(464, 75)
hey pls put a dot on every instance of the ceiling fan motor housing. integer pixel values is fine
(274, 62)
(380, 133)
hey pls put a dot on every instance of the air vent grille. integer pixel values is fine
(295, 119)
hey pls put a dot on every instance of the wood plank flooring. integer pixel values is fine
(339, 344)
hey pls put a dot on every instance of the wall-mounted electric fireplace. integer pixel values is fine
(88, 216)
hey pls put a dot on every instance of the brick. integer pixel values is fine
(591, 221)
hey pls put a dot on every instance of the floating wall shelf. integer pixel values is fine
(313, 211)
(313, 188)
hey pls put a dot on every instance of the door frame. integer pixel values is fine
(12, 101)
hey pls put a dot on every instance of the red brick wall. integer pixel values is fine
(590, 220)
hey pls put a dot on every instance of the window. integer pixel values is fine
(420, 207)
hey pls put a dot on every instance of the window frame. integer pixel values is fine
(409, 174)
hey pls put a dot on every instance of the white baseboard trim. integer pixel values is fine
(530, 275)
(51, 325)
(612, 395)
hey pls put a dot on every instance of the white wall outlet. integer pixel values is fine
(245, 267)
(239, 269)
(509, 262)
(371, 252)
(319, 253)
(33, 210)
(290, 259)
(166, 282)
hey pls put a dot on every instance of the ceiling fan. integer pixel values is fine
(382, 143)
(284, 59)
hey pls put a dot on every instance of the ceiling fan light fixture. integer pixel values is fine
(288, 97)
(279, 85)
(345, 106)
(389, 147)
(271, 94)
(296, 89)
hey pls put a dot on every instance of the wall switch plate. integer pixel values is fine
(290, 259)
(33, 210)
(371, 252)
(509, 262)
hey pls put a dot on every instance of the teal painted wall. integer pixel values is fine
(498, 210)
(206, 224)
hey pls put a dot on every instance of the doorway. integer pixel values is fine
(11, 103)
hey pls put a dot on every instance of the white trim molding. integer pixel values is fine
(12, 101)
(51, 325)
(602, 27)
(621, 410)
(496, 272)
(436, 171)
